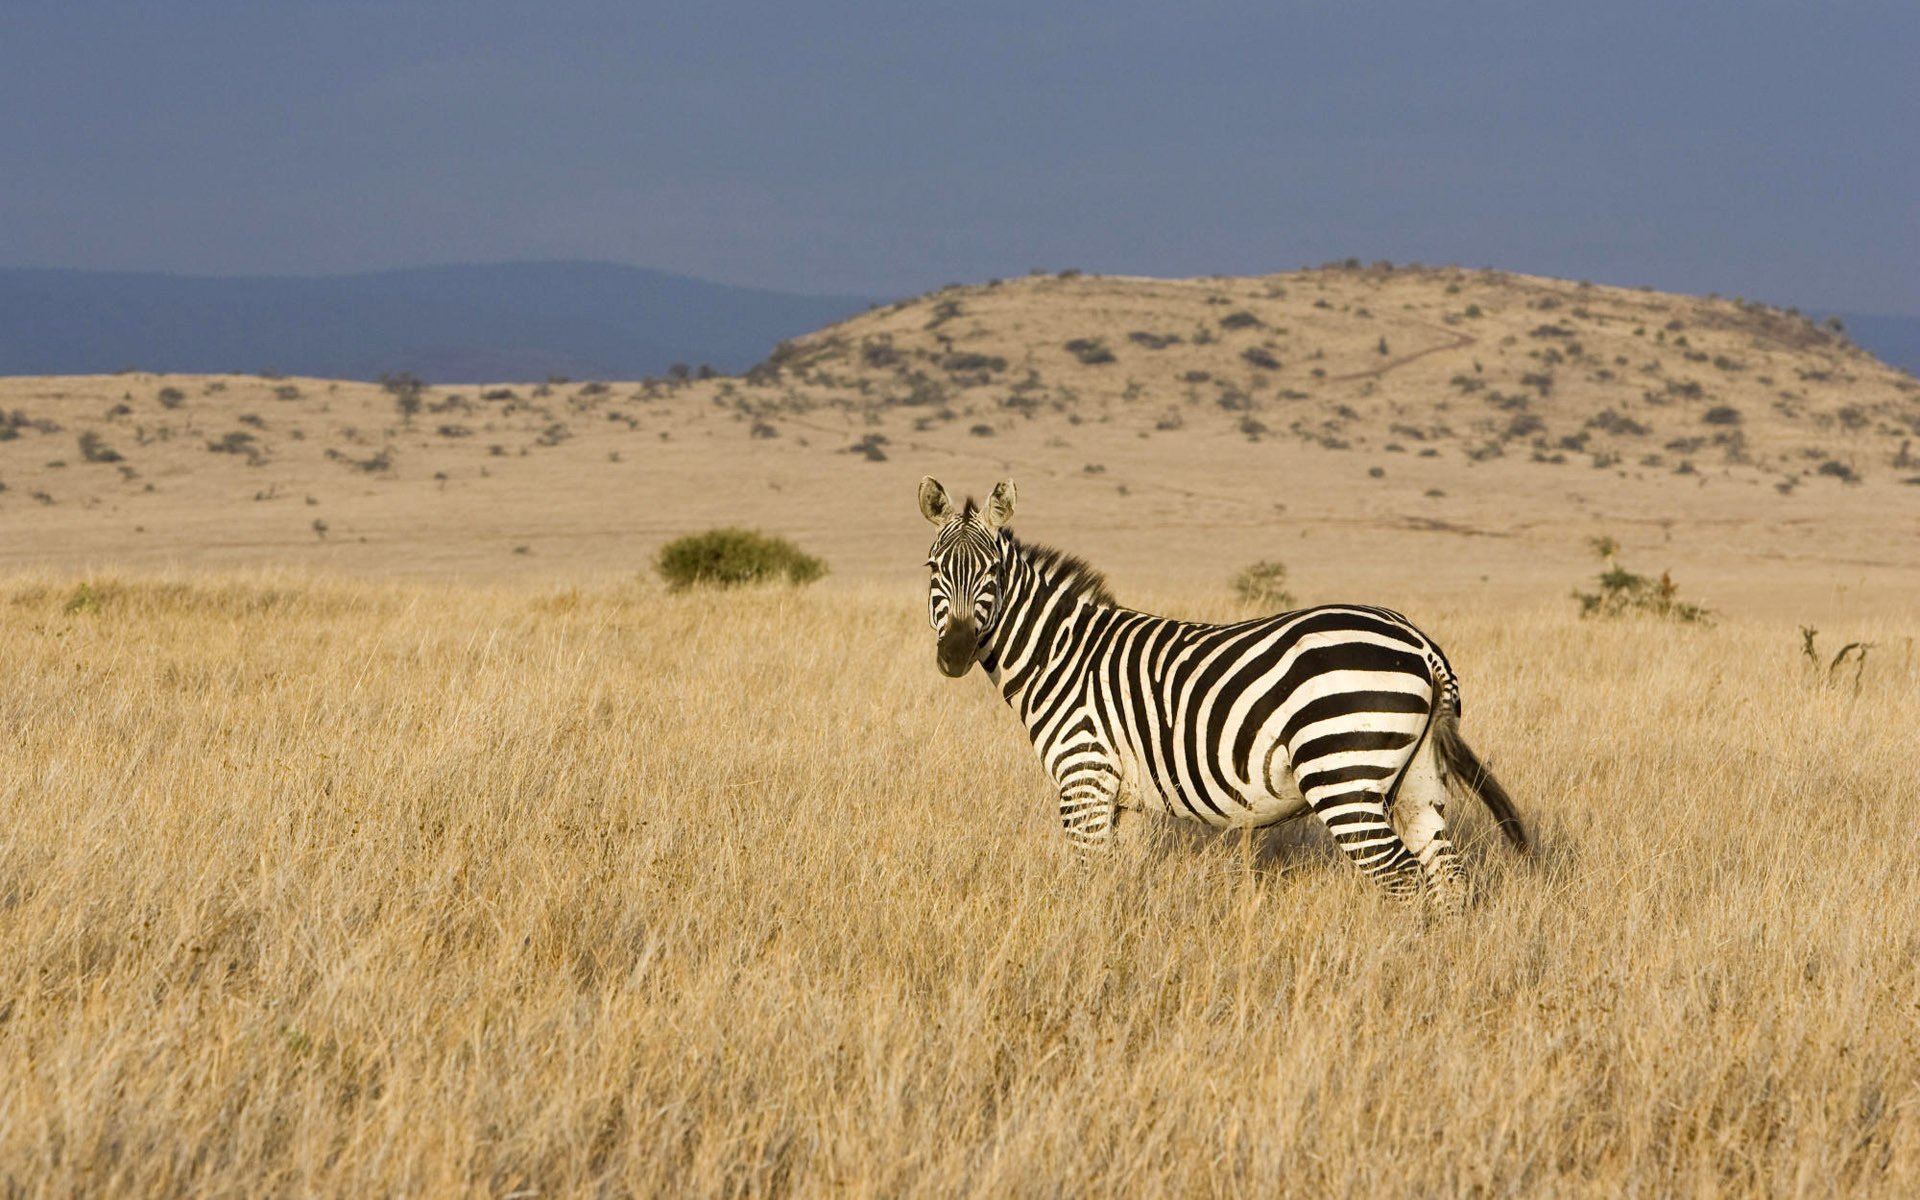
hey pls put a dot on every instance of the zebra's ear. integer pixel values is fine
(999, 508)
(935, 505)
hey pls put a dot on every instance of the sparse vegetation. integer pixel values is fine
(1830, 675)
(1621, 593)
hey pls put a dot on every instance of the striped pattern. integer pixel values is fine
(1344, 711)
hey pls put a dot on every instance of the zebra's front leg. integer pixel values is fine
(1088, 808)
(1358, 822)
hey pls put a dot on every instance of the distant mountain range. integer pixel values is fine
(457, 324)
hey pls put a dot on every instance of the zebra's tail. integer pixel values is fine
(1463, 764)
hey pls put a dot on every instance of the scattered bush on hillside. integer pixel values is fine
(1721, 414)
(1090, 351)
(871, 447)
(1153, 341)
(239, 442)
(1261, 358)
(733, 557)
(1618, 424)
(172, 397)
(1241, 319)
(94, 449)
(405, 387)
(1264, 584)
(1623, 593)
(966, 361)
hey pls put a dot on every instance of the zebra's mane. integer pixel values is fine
(1063, 569)
(1068, 571)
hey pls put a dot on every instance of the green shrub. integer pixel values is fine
(1264, 584)
(730, 557)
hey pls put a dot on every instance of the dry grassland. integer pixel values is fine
(330, 888)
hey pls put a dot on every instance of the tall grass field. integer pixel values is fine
(332, 888)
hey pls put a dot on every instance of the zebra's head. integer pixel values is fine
(963, 597)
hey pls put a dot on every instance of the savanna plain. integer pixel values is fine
(518, 874)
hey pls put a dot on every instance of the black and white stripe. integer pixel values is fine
(1344, 711)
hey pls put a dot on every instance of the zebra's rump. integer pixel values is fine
(1261, 719)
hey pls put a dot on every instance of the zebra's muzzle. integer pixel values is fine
(958, 643)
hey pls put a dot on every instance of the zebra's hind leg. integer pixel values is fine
(1357, 819)
(1420, 814)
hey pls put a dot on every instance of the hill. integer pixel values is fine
(455, 324)
(1404, 360)
(1391, 433)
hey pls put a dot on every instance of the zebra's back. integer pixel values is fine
(1250, 723)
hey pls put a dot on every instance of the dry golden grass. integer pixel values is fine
(352, 888)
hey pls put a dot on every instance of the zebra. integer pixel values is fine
(1345, 711)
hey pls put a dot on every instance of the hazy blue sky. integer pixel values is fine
(1755, 149)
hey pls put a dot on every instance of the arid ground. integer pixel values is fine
(374, 821)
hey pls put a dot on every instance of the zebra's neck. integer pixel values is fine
(1049, 605)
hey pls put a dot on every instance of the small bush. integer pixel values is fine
(1622, 593)
(94, 449)
(1264, 584)
(1153, 341)
(1618, 424)
(1090, 351)
(1722, 414)
(1239, 320)
(239, 442)
(973, 362)
(1260, 358)
(731, 557)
